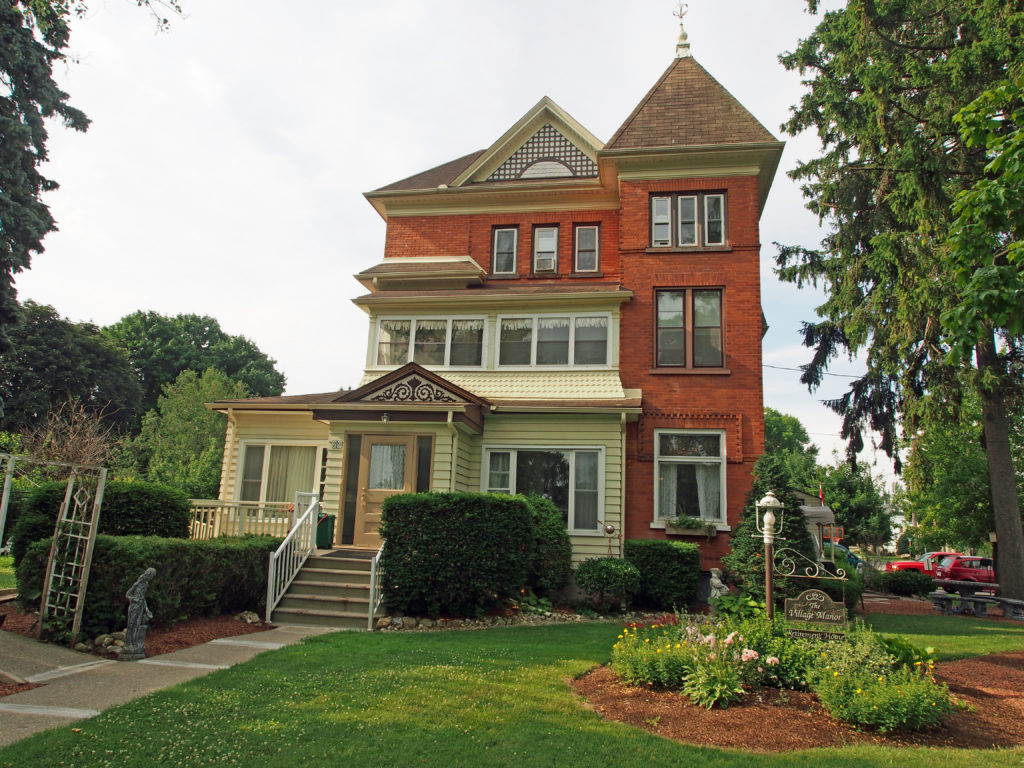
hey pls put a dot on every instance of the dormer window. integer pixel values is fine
(688, 220)
(545, 249)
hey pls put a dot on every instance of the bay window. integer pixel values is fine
(547, 340)
(454, 342)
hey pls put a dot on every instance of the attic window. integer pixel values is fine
(548, 154)
(546, 169)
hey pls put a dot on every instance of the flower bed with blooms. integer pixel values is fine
(865, 680)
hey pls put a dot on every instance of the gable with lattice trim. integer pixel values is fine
(548, 154)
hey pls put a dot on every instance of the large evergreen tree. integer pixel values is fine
(885, 80)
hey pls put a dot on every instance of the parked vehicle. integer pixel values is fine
(855, 560)
(926, 563)
(966, 568)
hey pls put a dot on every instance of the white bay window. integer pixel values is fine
(451, 342)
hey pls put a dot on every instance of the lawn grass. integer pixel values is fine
(7, 572)
(954, 637)
(496, 697)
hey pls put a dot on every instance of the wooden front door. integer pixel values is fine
(387, 465)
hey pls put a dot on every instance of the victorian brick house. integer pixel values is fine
(552, 314)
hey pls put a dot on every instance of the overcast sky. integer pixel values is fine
(224, 169)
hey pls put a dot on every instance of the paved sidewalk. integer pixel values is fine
(77, 685)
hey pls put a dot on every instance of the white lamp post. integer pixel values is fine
(768, 525)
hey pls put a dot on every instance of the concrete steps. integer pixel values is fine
(330, 590)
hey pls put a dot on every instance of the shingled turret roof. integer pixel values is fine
(688, 107)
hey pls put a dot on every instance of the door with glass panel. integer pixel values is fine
(387, 465)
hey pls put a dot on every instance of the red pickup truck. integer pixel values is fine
(926, 563)
(966, 568)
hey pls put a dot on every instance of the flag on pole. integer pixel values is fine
(821, 494)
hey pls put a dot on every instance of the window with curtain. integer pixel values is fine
(453, 342)
(689, 474)
(570, 478)
(276, 472)
(572, 340)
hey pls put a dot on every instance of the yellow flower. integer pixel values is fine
(880, 678)
(647, 639)
(858, 690)
(835, 674)
(659, 650)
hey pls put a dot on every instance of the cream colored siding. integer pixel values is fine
(556, 431)
(264, 428)
(467, 465)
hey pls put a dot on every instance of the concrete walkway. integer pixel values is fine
(78, 685)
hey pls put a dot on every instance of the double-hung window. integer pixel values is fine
(553, 340)
(587, 258)
(452, 342)
(504, 250)
(545, 249)
(688, 220)
(689, 474)
(570, 477)
(689, 328)
(276, 472)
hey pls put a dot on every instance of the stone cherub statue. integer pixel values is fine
(138, 618)
(718, 587)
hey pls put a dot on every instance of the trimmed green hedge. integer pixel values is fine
(608, 580)
(129, 509)
(551, 565)
(454, 553)
(193, 578)
(908, 582)
(669, 572)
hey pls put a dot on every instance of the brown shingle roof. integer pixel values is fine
(442, 174)
(688, 107)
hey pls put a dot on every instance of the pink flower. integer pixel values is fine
(728, 640)
(749, 655)
(773, 660)
(760, 669)
(713, 656)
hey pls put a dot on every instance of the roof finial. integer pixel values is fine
(683, 46)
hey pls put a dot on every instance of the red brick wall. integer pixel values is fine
(471, 235)
(732, 401)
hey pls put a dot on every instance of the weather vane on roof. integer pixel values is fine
(683, 46)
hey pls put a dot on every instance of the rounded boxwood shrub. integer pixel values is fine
(454, 553)
(551, 565)
(609, 580)
(129, 509)
(905, 583)
(669, 572)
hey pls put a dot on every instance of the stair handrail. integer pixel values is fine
(287, 560)
(376, 594)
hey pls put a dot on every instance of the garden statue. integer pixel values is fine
(718, 587)
(138, 618)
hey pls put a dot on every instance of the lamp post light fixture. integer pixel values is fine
(769, 526)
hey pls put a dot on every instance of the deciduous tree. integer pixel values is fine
(161, 347)
(885, 79)
(55, 360)
(182, 442)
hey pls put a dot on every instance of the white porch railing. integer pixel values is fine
(376, 595)
(297, 546)
(212, 518)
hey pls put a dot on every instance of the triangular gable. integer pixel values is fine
(412, 384)
(545, 143)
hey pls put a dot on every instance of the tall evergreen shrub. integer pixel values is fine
(551, 565)
(669, 572)
(454, 553)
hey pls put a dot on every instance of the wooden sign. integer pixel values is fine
(816, 634)
(814, 606)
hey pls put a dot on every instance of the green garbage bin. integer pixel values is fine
(325, 531)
